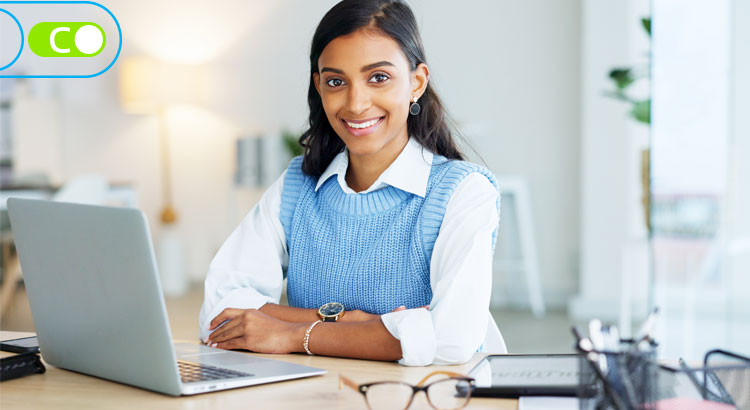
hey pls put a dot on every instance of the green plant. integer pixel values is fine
(291, 143)
(627, 76)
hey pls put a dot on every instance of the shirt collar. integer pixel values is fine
(409, 172)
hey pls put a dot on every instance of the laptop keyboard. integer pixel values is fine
(194, 372)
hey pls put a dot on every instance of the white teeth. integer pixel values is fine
(362, 125)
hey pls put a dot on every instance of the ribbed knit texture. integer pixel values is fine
(367, 251)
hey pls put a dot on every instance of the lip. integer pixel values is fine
(358, 132)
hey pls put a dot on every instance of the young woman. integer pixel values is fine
(386, 235)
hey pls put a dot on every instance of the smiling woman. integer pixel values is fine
(386, 235)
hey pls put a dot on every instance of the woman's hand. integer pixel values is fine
(256, 331)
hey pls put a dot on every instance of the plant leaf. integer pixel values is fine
(646, 23)
(291, 142)
(642, 111)
(622, 77)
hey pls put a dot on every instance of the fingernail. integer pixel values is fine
(214, 345)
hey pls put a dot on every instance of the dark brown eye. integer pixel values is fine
(379, 78)
(335, 82)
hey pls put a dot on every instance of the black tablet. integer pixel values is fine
(526, 375)
(22, 345)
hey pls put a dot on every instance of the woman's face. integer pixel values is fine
(366, 86)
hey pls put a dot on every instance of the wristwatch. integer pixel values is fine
(331, 312)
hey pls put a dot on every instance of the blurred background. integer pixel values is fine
(616, 130)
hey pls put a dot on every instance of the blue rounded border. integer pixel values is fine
(119, 33)
(23, 38)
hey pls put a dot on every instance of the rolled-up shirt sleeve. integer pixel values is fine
(455, 325)
(247, 271)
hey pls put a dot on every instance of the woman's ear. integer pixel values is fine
(420, 78)
(316, 81)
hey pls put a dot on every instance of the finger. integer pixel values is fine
(219, 326)
(228, 313)
(425, 307)
(236, 331)
(398, 309)
(236, 343)
(228, 326)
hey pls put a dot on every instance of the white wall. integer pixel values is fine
(612, 244)
(507, 70)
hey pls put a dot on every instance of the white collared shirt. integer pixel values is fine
(247, 271)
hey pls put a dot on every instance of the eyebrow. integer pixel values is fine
(365, 68)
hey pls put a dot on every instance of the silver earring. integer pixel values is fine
(414, 107)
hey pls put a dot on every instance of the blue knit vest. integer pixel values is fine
(368, 251)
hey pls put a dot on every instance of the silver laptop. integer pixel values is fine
(98, 308)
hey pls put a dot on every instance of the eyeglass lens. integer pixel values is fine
(448, 394)
(389, 396)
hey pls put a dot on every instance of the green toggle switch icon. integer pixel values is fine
(66, 39)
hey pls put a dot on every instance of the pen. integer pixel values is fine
(583, 344)
(585, 347)
(597, 339)
(614, 338)
(577, 334)
(647, 328)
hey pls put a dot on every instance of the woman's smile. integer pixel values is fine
(360, 128)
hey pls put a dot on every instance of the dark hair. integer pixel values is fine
(395, 19)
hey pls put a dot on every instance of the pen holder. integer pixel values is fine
(724, 379)
(618, 380)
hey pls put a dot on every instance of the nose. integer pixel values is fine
(358, 99)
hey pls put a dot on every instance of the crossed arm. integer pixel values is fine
(281, 329)
(247, 273)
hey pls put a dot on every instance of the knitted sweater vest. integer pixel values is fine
(369, 251)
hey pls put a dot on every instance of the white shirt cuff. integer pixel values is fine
(241, 298)
(413, 328)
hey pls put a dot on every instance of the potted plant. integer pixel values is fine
(623, 78)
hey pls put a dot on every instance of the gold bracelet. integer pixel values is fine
(307, 337)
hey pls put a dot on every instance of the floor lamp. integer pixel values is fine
(148, 86)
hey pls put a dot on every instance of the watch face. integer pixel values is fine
(331, 309)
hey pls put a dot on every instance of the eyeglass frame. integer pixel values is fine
(362, 388)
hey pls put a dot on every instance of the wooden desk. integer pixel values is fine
(62, 389)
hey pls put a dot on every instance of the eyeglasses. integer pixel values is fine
(445, 394)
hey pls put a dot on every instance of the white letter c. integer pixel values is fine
(52, 40)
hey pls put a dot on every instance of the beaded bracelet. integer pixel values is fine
(307, 337)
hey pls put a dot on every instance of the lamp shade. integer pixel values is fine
(147, 84)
